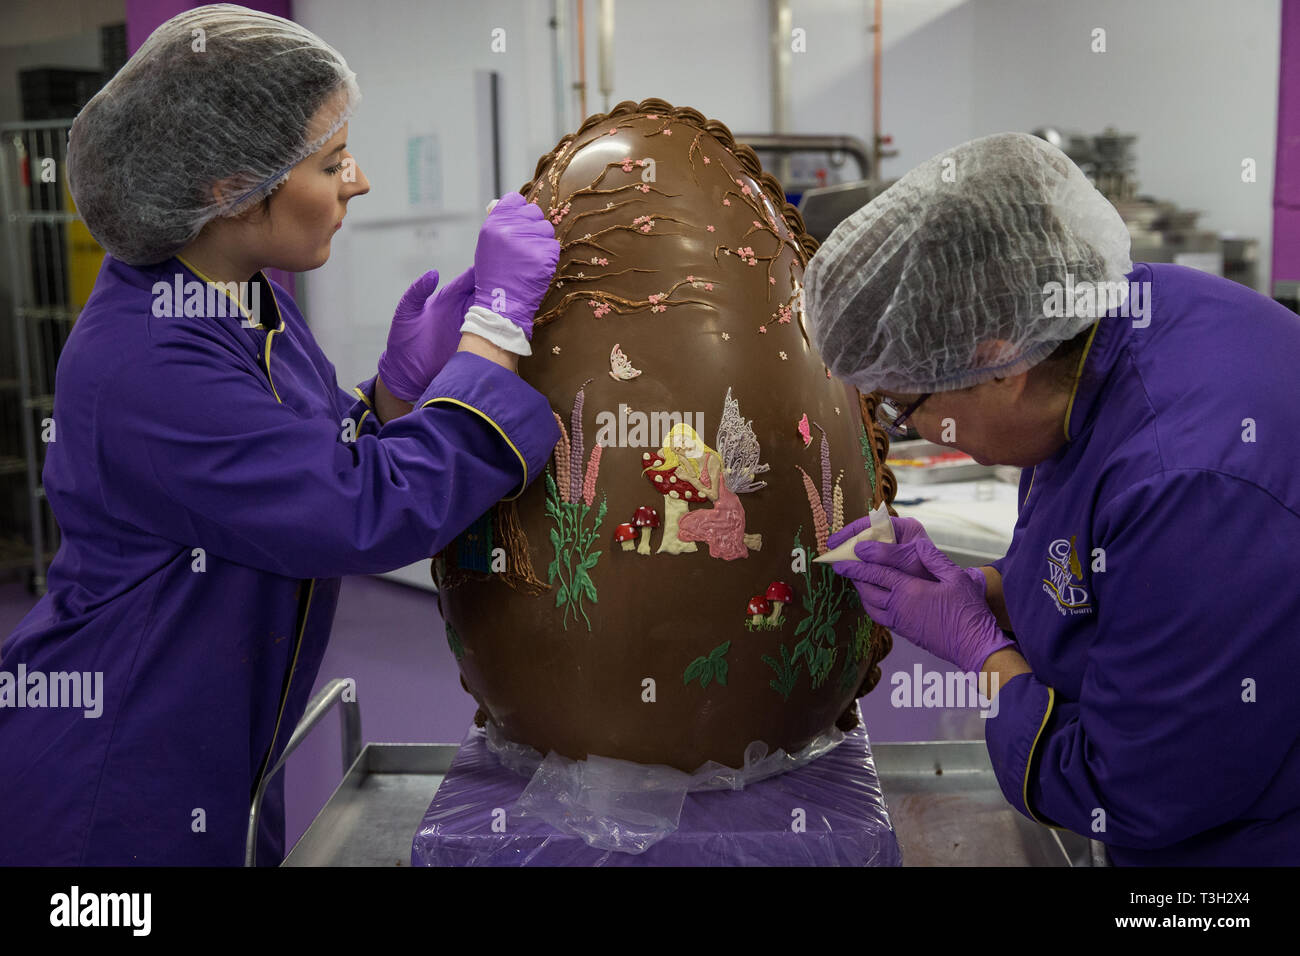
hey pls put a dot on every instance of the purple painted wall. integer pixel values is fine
(1286, 184)
(145, 16)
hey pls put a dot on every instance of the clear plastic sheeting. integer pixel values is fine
(502, 804)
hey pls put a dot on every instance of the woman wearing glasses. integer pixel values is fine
(1143, 624)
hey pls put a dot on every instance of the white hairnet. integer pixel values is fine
(911, 292)
(217, 94)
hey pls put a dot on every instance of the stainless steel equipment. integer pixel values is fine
(48, 262)
(942, 796)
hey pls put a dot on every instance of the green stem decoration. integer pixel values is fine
(574, 559)
(824, 599)
(869, 458)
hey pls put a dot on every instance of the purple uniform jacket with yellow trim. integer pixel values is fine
(211, 492)
(1153, 583)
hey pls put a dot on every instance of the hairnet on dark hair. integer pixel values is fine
(218, 95)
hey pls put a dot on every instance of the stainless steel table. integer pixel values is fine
(943, 800)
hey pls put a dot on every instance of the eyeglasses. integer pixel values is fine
(891, 414)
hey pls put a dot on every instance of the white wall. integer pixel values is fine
(1195, 80)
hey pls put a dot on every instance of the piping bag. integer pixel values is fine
(882, 529)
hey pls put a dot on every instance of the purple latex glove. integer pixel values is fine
(949, 616)
(425, 333)
(905, 530)
(515, 260)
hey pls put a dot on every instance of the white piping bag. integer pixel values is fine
(882, 529)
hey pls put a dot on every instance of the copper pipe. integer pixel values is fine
(875, 93)
(582, 59)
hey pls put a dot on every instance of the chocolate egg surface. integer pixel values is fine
(652, 597)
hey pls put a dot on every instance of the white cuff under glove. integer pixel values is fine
(497, 329)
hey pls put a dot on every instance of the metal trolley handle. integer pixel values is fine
(350, 720)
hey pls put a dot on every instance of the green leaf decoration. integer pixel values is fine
(694, 669)
(720, 671)
(453, 641)
(720, 651)
(868, 459)
(849, 675)
(562, 595)
(803, 649)
(861, 640)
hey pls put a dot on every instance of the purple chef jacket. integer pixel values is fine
(1153, 583)
(211, 492)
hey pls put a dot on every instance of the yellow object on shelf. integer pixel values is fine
(84, 254)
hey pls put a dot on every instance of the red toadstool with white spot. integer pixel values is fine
(647, 519)
(625, 534)
(779, 593)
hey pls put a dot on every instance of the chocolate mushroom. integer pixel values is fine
(758, 606)
(626, 535)
(779, 593)
(647, 519)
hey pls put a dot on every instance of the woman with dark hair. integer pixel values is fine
(211, 480)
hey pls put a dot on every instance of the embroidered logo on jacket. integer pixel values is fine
(1063, 570)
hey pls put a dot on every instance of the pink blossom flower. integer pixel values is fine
(644, 188)
(726, 202)
(771, 280)
(710, 229)
(746, 190)
(708, 286)
(706, 160)
(757, 224)
(690, 278)
(668, 132)
(604, 261)
(762, 329)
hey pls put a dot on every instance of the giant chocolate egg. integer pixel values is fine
(652, 597)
